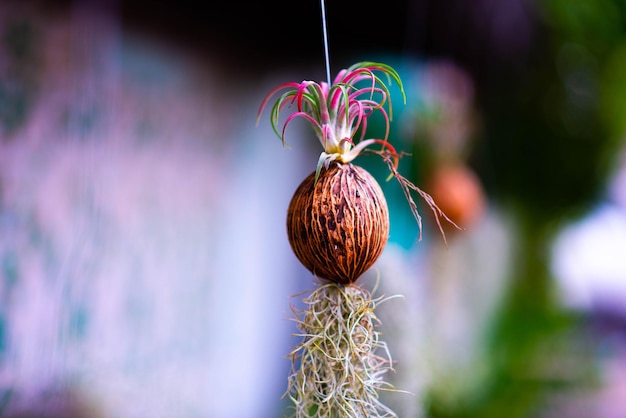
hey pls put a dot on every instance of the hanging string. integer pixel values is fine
(325, 41)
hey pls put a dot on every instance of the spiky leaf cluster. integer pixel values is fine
(338, 112)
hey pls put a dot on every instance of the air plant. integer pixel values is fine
(338, 226)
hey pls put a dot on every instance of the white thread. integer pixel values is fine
(325, 41)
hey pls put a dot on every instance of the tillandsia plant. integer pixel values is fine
(338, 226)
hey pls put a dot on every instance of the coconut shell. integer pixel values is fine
(339, 226)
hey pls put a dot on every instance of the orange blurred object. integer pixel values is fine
(458, 192)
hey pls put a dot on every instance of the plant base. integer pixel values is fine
(338, 367)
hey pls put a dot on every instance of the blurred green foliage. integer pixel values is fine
(552, 134)
(554, 127)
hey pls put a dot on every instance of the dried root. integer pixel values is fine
(407, 187)
(337, 370)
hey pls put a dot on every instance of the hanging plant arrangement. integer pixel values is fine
(338, 226)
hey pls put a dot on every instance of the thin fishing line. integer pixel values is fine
(325, 41)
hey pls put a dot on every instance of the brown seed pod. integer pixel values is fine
(339, 226)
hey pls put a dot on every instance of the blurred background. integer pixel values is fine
(144, 264)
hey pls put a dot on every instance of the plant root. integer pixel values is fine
(407, 186)
(338, 367)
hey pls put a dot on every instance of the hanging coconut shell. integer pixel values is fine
(339, 225)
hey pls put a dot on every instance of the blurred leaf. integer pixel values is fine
(598, 23)
(613, 104)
